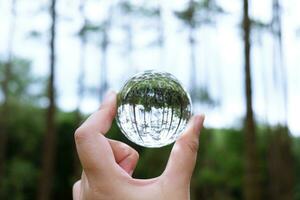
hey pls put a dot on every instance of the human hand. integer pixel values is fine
(108, 164)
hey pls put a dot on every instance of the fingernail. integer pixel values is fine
(109, 96)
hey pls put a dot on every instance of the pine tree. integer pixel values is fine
(280, 159)
(194, 16)
(5, 108)
(48, 159)
(252, 173)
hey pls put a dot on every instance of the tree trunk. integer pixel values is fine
(193, 68)
(280, 166)
(129, 39)
(104, 48)
(4, 123)
(103, 84)
(127, 26)
(5, 110)
(161, 38)
(280, 160)
(278, 58)
(193, 80)
(81, 77)
(252, 174)
(48, 159)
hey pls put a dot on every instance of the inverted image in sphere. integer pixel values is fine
(153, 109)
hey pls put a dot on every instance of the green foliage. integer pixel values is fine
(35, 34)
(129, 9)
(202, 95)
(296, 152)
(126, 7)
(20, 179)
(90, 27)
(260, 25)
(219, 170)
(21, 82)
(65, 156)
(218, 173)
(188, 15)
(199, 12)
(23, 152)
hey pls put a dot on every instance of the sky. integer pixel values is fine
(219, 56)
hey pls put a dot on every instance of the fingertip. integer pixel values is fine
(198, 122)
(109, 96)
(109, 105)
(195, 124)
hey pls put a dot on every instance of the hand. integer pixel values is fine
(108, 164)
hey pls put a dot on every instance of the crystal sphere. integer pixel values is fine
(153, 109)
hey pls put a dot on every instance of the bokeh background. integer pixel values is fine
(239, 60)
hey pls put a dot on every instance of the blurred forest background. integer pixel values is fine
(250, 156)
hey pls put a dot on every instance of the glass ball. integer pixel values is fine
(153, 109)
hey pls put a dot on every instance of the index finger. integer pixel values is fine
(93, 148)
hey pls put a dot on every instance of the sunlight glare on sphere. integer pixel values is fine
(153, 109)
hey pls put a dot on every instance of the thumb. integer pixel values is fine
(184, 153)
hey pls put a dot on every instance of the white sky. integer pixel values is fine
(219, 56)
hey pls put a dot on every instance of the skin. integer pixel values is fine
(108, 164)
